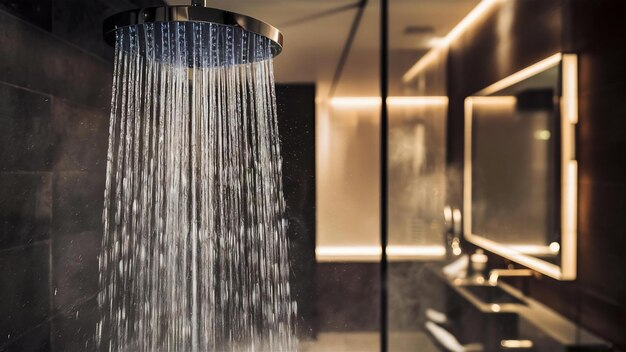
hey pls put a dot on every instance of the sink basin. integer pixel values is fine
(492, 294)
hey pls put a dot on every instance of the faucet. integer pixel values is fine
(495, 274)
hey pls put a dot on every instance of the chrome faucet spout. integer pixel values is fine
(495, 274)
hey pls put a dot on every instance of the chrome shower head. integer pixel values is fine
(196, 13)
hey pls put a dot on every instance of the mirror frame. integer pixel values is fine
(568, 163)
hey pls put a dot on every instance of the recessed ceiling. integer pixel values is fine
(313, 46)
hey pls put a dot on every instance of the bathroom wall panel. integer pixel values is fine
(606, 317)
(81, 142)
(38, 12)
(601, 67)
(32, 58)
(54, 101)
(80, 137)
(603, 104)
(592, 29)
(74, 268)
(26, 140)
(596, 28)
(73, 20)
(408, 296)
(602, 134)
(24, 295)
(78, 201)
(600, 254)
(568, 302)
(25, 208)
(601, 163)
(592, 219)
(348, 296)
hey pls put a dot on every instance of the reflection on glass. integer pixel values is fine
(515, 165)
(416, 172)
(520, 170)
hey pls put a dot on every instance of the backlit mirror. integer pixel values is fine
(520, 170)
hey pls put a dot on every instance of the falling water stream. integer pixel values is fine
(194, 252)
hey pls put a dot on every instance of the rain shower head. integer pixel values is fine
(243, 26)
(192, 186)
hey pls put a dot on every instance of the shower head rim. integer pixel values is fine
(199, 14)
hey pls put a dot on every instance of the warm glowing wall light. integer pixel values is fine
(479, 11)
(426, 60)
(519, 76)
(435, 42)
(569, 165)
(373, 253)
(417, 101)
(355, 102)
(570, 88)
(501, 100)
(469, 20)
(348, 251)
(536, 250)
(371, 102)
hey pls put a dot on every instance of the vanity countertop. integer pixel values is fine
(530, 313)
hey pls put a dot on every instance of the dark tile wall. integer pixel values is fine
(348, 297)
(25, 208)
(33, 11)
(25, 143)
(76, 21)
(409, 290)
(25, 296)
(516, 34)
(55, 81)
